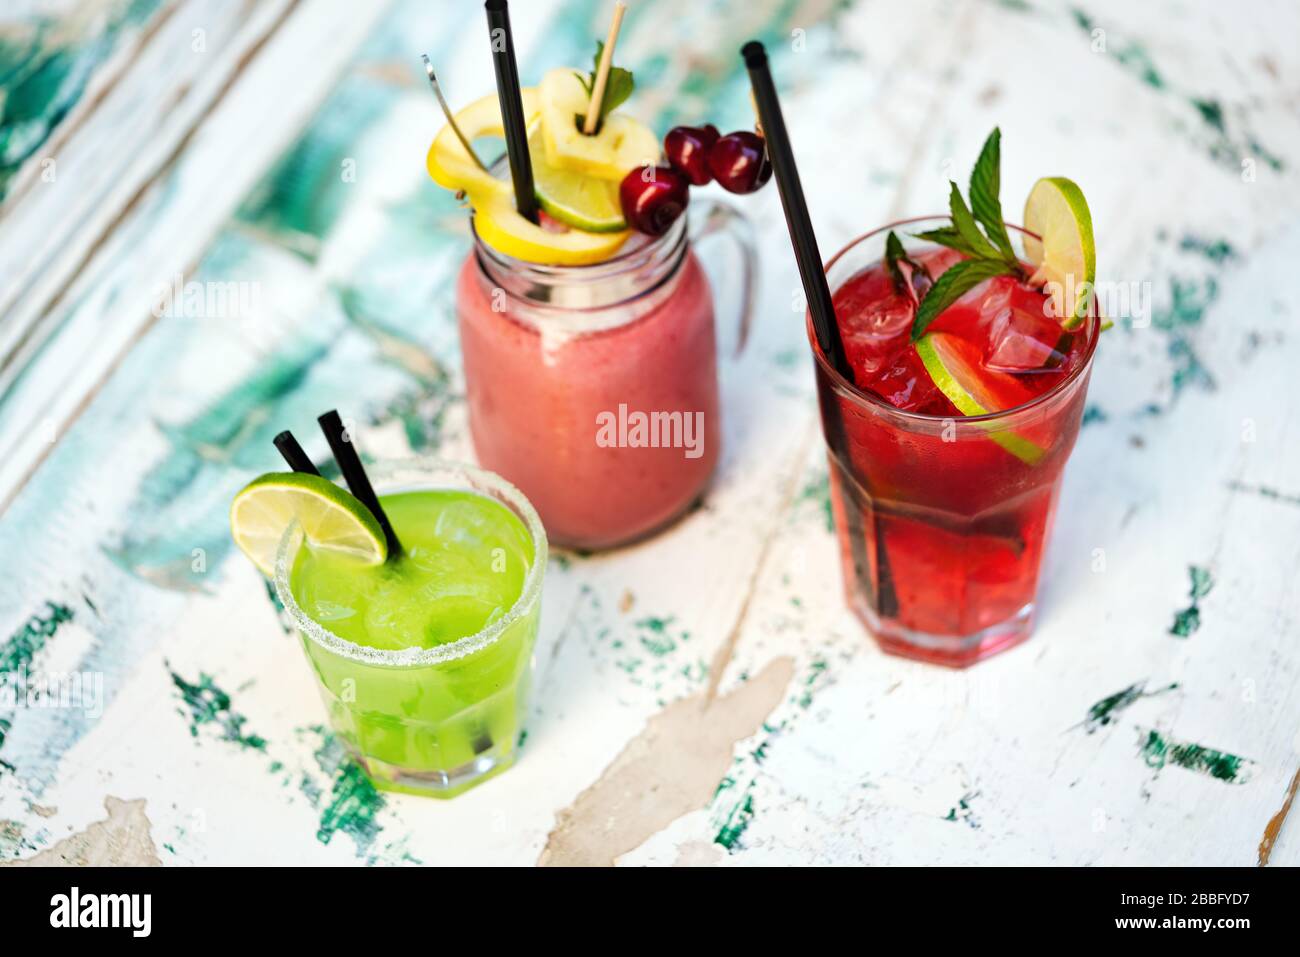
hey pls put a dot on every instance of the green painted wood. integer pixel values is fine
(46, 65)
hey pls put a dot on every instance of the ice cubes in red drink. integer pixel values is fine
(1020, 349)
(1019, 336)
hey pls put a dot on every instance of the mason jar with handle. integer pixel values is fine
(594, 388)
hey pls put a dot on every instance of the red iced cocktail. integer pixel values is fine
(952, 359)
(943, 515)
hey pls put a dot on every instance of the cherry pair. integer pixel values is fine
(738, 161)
(654, 196)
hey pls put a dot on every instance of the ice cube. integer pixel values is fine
(464, 522)
(1020, 337)
(454, 616)
(872, 341)
(325, 610)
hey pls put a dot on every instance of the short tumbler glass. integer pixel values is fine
(432, 721)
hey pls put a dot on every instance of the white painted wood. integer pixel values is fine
(85, 289)
(863, 758)
(136, 117)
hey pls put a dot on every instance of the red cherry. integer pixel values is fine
(687, 149)
(738, 161)
(653, 197)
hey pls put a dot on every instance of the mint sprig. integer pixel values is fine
(964, 222)
(618, 86)
(985, 187)
(948, 236)
(988, 252)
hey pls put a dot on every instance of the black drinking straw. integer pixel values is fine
(822, 309)
(294, 454)
(796, 207)
(512, 107)
(354, 473)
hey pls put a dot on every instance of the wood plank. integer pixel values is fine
(139, 118)
(79, 302)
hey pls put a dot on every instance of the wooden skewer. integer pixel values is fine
(602, 71)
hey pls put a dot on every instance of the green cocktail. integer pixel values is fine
(424, 660)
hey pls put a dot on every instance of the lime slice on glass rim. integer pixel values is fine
(332, 519)
(1066, 255)
(579, 200)
(967, 387)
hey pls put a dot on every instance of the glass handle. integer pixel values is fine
(721, 218)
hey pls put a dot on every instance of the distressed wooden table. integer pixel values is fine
(703, 698)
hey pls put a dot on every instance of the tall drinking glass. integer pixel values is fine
(942, 522)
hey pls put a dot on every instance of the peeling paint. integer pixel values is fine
(206, 704)
(818, 491)
(670, 769)
(352, 805)
(962, 813)
(1274, 826)
(1157, 750)
(736, 821)
(1093, 413)
(655, 636)
(121, 840)
(816, 672)
(1221, 145)
(48, 69)
(14, 840)
(698, 854)
(1265, 491)
(1189, 299)
(1188, 620)
(19, 649)
(1132, 56)
(1107, 709)
(1217, 251)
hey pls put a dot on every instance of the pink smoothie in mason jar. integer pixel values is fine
(594, 388)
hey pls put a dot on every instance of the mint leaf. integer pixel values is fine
(893, 253)
(952, 285)
(618, 86)
(917, 280)
(989, 252)
(964, 223)
(985, 187)
(617, 89)
(948, 236)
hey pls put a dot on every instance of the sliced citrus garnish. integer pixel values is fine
(954, 366)
(451, 165)
(1066, 256)
(498, 223)
(622, 143)
(575, 199)
(502, 228)
(332, 519)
